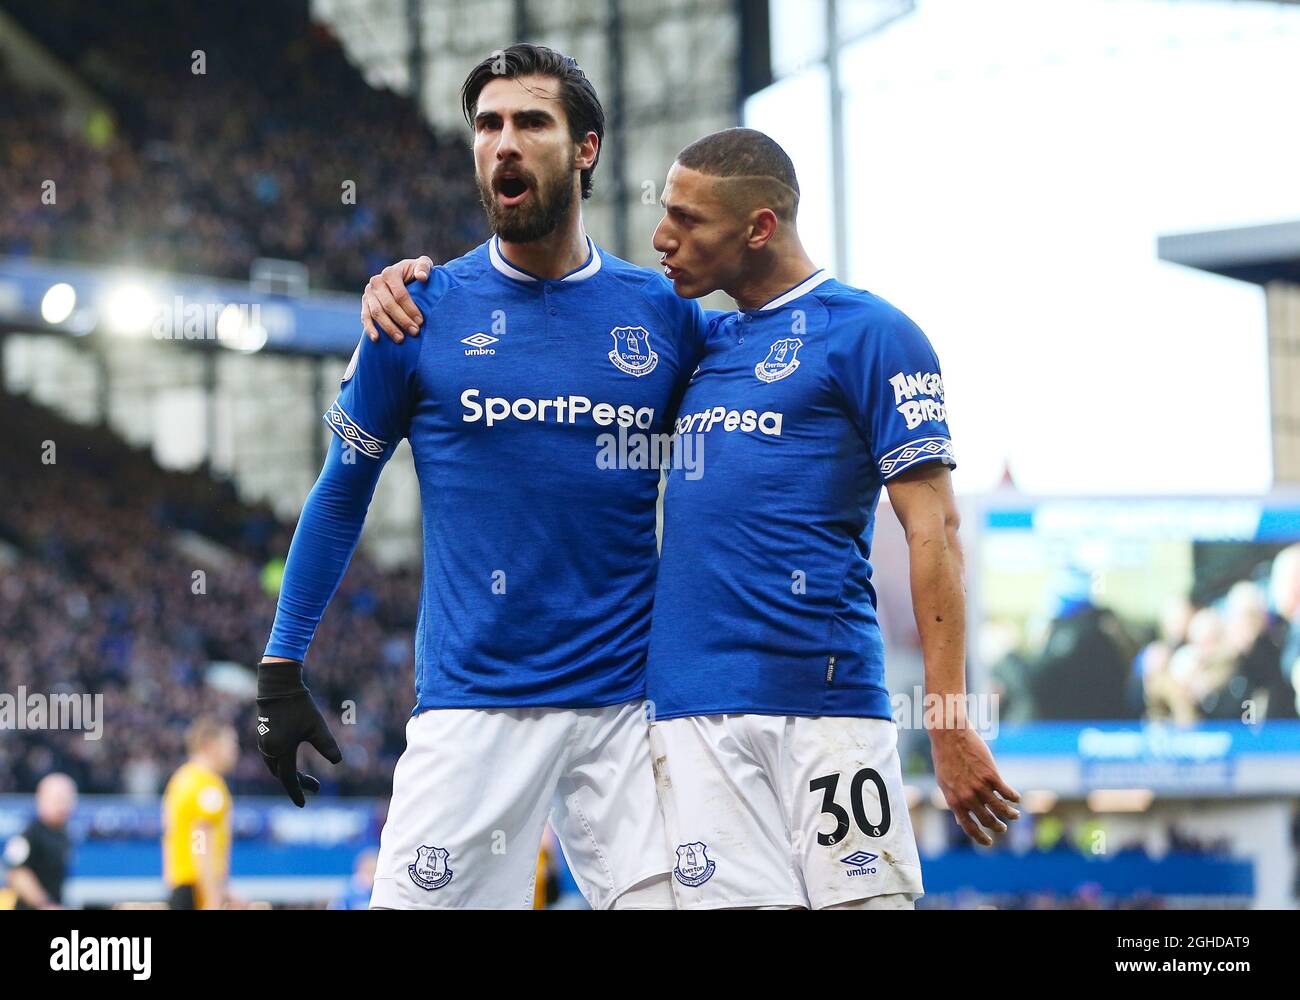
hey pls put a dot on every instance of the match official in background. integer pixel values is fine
(196, 819)
(39, 857)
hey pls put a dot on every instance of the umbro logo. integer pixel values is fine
(262, 727)
(860, 863)
(478, 344)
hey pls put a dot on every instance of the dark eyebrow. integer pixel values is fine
(678, 210)
(534, 115)
(527, 116)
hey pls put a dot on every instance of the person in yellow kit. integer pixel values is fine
(196, 819)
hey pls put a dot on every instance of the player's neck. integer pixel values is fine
(553, 256)
(772, 274)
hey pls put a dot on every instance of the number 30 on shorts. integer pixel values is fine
(828, 784)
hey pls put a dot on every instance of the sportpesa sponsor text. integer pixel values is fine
(914, 396)
(567, 409)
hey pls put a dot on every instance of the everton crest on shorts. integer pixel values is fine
(694, 866)
(430, 870)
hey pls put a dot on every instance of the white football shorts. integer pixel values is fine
(475, 787)
(779, 811)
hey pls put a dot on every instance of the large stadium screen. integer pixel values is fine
(1184, 611)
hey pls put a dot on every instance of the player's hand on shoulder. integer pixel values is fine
(386, 304)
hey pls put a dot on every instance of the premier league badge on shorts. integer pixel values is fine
(694, 867)
(781, 360)
(430, 870)
(632, 353)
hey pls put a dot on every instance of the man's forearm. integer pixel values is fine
(323, 543)
(937, 569)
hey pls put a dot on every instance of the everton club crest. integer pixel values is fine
(694, 866)
(632, 353)
(781, 361)
(430, 870)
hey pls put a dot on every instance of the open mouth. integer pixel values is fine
(512, 190)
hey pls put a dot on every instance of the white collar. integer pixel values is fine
(510, 271)
(803, 288)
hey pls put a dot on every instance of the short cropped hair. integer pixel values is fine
(750, 154)
(581, 105)
(203, 731)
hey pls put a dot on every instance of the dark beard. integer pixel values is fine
(534, 219)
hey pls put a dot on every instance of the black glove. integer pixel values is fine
(287, 716)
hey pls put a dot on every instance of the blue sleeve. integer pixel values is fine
(891, 380)
(371, 415)
(323, 542)
(373, 409)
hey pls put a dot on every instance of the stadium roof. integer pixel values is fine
(1259, 254)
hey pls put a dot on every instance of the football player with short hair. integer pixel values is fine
(774, 738)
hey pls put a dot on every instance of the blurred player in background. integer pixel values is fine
(546, 891)
(196, 819)
(539, 564)
(39, 857)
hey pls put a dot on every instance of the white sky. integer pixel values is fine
(1010, 166)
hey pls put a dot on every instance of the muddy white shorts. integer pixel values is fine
(474, 789)
(784, 811)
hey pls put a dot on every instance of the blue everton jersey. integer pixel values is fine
(539, 557)
(804, 409)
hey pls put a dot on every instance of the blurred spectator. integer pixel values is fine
(1084, 665)
(1255, 638)
(1284, 589)
(1150, 678)
(1200, 667)
(1230, 664)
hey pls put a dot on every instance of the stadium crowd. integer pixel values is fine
(277, 149)
(98, 596)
